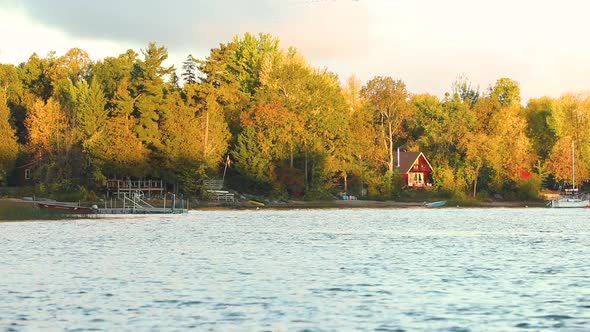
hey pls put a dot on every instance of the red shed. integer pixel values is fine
(415, 169)
(24, 174)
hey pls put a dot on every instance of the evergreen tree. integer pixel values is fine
(189, 67)
(89, 106)
(117, 150)
(148, 87)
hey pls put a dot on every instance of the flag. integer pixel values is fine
(524, 174)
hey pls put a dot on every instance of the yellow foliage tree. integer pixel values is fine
(8, 143)
(571, 121)
(510, 148)
(46, 124)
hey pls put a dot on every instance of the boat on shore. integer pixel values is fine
(570, 202)
(65, 207)
(256, 202)
(435, 204)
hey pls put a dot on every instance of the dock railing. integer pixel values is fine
(135, 204)
(128, 186)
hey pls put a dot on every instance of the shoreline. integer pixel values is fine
(357, 204)
(15, 209)
(295, 204)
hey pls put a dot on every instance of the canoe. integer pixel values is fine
(435, 204)
(255, 202)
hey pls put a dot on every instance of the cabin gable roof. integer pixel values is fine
(408, 159)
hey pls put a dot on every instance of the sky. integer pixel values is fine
(543, 45)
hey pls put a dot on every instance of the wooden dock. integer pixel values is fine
(132, 210)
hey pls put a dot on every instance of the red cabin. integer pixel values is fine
(415, 169)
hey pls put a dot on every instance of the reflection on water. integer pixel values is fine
(315, 270)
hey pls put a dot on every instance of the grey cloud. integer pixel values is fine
(175, 23)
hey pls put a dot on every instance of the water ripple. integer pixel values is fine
(301, 270)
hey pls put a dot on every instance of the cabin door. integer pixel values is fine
(416, 179)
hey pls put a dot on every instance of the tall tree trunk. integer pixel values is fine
(205, 146)
(305, 179)
(390, 136)
(475, 183)
(312, 169)
(291, 155)
(345, 183)
(384, 132)
(362, 183)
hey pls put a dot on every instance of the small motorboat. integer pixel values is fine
(66, 207)
(435, 204)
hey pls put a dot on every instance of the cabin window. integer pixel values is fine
(416, 179)
(27, 174)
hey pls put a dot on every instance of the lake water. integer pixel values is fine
(301, 270)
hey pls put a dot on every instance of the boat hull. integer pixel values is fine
(570, 203)
(65, 208)
(256, 202)
(435, 204)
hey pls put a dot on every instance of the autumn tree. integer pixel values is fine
(498, 142)
(122, 101)
(111, 72)
(65, 70)
(506, 92)
(538, 113)
(117, 150)
(511, 150)
(315, 98)
(440, 128)
(10, 84)
(35, 76)
(46, 124)
(571, 122)
(356, 149)
(181, 154)
(8, 144)
(388, 99)
(18, 98)
(234, 70)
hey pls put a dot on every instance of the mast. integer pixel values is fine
(573, 167)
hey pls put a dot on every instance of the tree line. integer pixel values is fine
(272, 124)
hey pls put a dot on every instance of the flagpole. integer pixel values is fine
(225, 167)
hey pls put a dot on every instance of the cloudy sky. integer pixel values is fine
(542, 44)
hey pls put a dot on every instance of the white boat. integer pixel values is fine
(571, 201)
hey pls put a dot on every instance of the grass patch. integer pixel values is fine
(11, 210)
